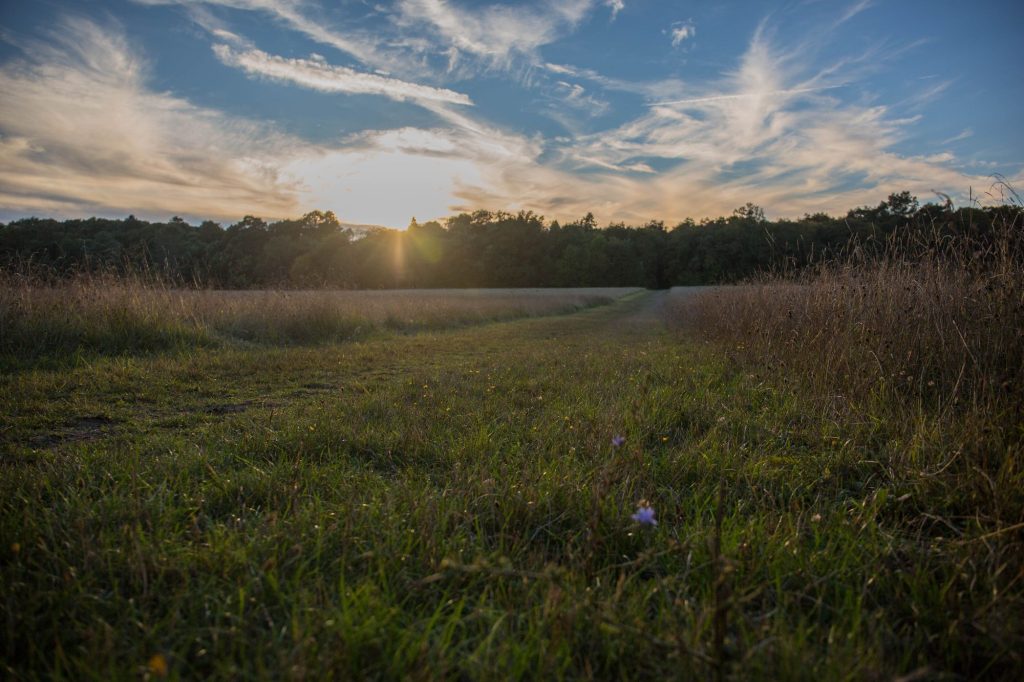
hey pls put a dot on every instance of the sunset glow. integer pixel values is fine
(631, 110)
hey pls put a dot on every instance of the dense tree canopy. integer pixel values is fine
(480, 249)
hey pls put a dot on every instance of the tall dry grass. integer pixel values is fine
(108, 314)
(920, 343)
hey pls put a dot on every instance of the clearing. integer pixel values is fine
(449, 504)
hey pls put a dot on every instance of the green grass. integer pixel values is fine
(448, 504)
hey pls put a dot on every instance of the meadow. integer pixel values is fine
(46, 319)
(456, 500)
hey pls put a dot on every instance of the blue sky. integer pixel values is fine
(381, 111)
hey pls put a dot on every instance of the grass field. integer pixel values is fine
(57, 322)
(450, 504)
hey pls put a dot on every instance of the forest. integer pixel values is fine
(479, 249)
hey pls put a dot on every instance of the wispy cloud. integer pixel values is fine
(654, 89)
(962, 135)
(81, 132)
(851, 11)
(231, 38)
(418, 36)
(769, 131)
(681, 31)
(295, 14)
(84, 131)
(742, 95)
(84, 134)
(576, 96)
(922, 97)
(497, 32)
(316, 74)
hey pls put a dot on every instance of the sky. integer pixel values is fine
(386, 110)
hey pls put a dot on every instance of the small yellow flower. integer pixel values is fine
(158, 665)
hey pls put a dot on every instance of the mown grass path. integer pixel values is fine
(450, 505)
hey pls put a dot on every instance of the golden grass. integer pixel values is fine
(112, 314)
(923, 343)
(938, 324)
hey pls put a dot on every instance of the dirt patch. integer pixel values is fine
(222, 409)
(319, 386)
(228, 408)
(77, 430)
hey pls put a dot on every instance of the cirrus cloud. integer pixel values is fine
(496, 32)
(316, 74)
(681, 31)
(81, 132)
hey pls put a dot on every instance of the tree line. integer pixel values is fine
(479, 249)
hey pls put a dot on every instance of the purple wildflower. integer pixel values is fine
(645, 515)
(617, 441)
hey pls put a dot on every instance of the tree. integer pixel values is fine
(902, 204)
(749, 211)
(479, 249)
